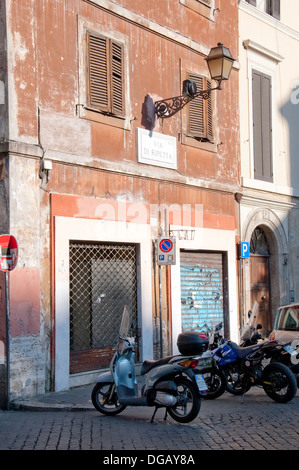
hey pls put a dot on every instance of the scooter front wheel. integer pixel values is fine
(189, 402)
(104, 399)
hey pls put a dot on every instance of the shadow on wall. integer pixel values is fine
(290, 112)
(148, 118)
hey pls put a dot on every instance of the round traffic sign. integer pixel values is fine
(8, 252)
(166, 245)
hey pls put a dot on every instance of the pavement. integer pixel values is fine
(74, 399)
(79, 399)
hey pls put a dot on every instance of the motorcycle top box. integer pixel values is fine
(192, 342)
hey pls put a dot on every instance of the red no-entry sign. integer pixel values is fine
(8, 252)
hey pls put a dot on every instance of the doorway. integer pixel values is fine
(260, 278)
(103, 278)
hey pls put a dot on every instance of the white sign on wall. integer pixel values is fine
(157, 149)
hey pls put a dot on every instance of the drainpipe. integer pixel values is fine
(238, 198)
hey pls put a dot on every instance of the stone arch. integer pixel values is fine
(272, 226)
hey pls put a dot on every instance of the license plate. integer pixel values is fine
(201, 384)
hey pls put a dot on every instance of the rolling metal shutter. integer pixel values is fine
(201, 289)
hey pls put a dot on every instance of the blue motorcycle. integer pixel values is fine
(243, 367)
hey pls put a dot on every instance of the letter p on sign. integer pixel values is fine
(245, 252)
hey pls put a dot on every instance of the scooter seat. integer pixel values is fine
(150, 364)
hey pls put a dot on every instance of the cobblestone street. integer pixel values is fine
(222, 424)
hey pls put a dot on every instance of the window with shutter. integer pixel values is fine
(105, 88)
(205, 8)
(262, 126)
(200, 112)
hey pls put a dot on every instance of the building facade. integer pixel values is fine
(269, 145)
(90, 178)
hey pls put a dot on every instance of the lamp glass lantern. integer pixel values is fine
(220, 63)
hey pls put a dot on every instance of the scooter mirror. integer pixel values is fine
(259, 326)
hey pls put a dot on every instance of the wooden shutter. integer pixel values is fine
(97, 75)
(117, 78)
(273, 8)
(200, 113)
(262, 126)
(104, 74)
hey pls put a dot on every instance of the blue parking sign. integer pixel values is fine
(245, 252)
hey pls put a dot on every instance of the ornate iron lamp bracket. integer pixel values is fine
(170, 106)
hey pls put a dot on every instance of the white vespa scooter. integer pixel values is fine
(169, 382)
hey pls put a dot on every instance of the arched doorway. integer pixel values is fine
(266, 232)
(260, 290)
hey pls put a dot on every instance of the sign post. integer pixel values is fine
(8, 261)
(166, 255)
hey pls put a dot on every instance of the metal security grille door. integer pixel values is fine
(103, 278)
(202, 290)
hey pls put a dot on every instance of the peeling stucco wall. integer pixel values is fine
(94, 157)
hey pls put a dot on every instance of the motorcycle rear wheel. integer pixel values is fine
(281, 383)
(235, 387)
(101, 401)
(190, 402)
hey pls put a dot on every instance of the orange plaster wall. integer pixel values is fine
(76, 206)
(24, 302)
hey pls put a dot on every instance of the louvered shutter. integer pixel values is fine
(209, 113)
(200, 114)
(98, 82)
(262, 125)
(117, 78)
(105, 74)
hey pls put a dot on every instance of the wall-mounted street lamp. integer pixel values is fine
(220, 63)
